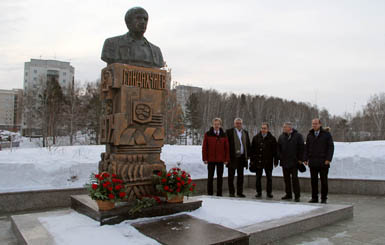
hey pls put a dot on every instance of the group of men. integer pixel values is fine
(232, 148)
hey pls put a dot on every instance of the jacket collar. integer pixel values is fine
(212, 132)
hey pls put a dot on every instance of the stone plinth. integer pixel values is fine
(85, 205)
(132, 125)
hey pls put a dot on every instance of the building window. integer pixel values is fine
(64, 81)
(26, 73)
(35, 79)
(65, 73)
(35, 71)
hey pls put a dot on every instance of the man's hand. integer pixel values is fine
(205, 162)
(327, 162)
(275, 165)
(306, 163)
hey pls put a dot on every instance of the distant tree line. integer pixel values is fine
(201, 108)
(51, 110)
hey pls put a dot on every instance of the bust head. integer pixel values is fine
(136, 20)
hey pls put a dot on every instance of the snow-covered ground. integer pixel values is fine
(30, 167)
(74, 228)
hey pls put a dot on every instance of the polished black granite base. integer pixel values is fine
(85, 205)
(184, 229)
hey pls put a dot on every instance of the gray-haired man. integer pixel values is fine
(239, 143)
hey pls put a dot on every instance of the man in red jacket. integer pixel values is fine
(215, 153)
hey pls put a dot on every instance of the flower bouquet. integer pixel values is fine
(106, 189)
(174, 184)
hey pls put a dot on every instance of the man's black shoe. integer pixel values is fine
(324, 201)
(287, 197)
(313, 200)
(269, 195)
(232, 195)
(297, 200)
(258, 195)
(241, 195)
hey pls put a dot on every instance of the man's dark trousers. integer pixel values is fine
(210, 181)
(291, 178)
(241, 163)
(269, 180)
(323, 173)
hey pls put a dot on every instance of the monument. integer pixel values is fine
(133, 91)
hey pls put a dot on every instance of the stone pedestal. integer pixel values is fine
(132, 125)
(85, 205)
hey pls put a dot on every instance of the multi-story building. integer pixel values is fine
(37, 74)
(183, 93)
(37, 71)
(11, 108)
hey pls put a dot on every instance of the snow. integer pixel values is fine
(74, 228)
(31, 168)
(239, 213)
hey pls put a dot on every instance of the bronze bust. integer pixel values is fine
(133, 48)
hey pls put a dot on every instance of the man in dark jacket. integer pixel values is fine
(239, 143)
(290, 154)
(319, 151)
(215, 153)
(263, 155)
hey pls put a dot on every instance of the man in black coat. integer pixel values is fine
(290, 154)
(263, 156)
(319, 151)
(239, 143)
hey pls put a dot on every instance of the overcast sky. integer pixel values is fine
(329, 53)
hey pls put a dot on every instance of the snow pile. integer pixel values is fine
(74, 228)
(70, 166)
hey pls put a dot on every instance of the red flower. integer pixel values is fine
(191, 189)
(97, 176)
(119, 181)
(105, 175)
(175, 173)
(113, 175)
(164, 180)
(178, 179)
(183, 182)
(178, 190)
(171, 190)
(159, 173)
(122, 194)
(109, 188)
(183, 176)
(189, 181)
(94, 186)
(194, 184)
(169, 174)
(118, 187)
(157, 199)
(166, 188)
(111, 196)
(105, 185)
(178, 184)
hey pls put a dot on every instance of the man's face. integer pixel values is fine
(238, 124)
(139, 22)
(286, 129)
(216, 125)
(315, 124)
(264, 129)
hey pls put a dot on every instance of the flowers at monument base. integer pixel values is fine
(106, 187)
(174, 183)
(145, 202)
